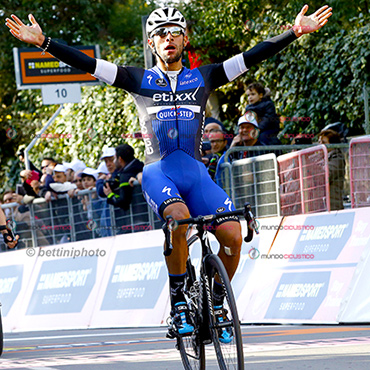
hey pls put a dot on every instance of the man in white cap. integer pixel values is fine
(108, 157)
(248, 135)
(171, 101)
(60, 184)
(73, 167)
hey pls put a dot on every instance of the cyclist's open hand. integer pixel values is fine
(30, 34)
(307, 24)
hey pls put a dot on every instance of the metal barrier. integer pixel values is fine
(255, 180)
(83, 217)
(359, 150)
(301, 190)
(296, 181)
(304, 181)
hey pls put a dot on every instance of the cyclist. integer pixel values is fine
(171, 101)
(6, 232)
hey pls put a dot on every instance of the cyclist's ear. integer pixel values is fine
(151, 43)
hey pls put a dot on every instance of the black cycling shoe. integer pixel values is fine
(225, 335)
(181, 322)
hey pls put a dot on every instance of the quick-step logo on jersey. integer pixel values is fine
(171, 114)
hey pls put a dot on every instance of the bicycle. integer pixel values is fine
(199, 296)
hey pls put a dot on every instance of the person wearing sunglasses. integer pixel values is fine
(171, 101)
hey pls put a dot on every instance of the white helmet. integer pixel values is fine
(162, 16)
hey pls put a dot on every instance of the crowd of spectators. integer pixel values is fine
(114, 176)
(113, 180)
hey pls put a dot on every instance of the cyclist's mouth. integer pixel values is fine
(170, 48)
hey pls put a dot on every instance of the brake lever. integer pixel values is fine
(251, 222)
(167, 228)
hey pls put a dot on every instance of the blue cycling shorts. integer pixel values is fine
(181, 178)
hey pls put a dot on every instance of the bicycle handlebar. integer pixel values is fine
(171, 224)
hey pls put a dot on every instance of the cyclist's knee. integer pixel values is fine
(178, 211)
(233, 247)
(231, 239)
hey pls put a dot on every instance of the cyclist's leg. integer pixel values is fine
(164, 197)
(229, 236)
(176, 262)
(206, 197)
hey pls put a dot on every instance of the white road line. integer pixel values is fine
(84, 335)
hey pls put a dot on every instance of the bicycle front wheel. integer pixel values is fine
(191, 347)
(229, 347)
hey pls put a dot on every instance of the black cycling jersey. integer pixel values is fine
(171, 120)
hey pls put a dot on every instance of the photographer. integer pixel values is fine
(117, 188)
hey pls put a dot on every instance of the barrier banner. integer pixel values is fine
(15, 273)
(306, 274)
(136, 280)
(355, 307)
(299, 269)
(134, 290)
(64, 285)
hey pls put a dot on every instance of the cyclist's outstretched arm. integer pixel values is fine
(235, 66)
(303, 25)
(101, 69)
(33, 35)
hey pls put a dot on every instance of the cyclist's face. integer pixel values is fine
(170, 47)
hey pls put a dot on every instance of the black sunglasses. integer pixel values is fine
(163, 31)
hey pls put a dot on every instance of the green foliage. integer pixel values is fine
(78, 22)
(319, 76)
(106, 116)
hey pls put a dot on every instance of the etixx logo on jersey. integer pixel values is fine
(170, 114)
(161, 82)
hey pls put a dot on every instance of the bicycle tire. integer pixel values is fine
(230, 355)
(191, 347)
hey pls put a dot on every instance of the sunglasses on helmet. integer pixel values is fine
(163, 31)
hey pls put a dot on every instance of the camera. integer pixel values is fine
(113, 183)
